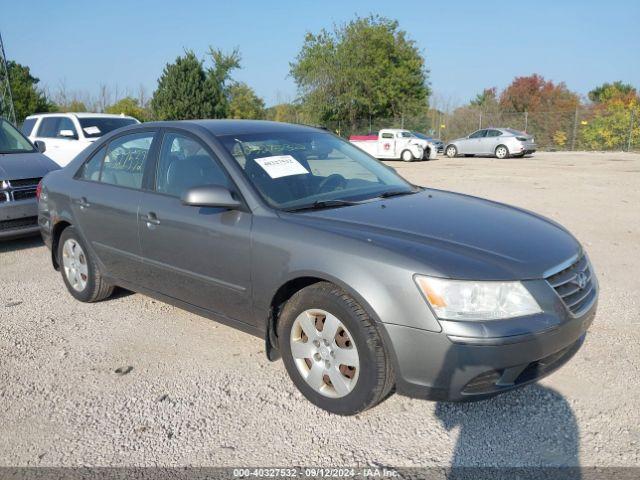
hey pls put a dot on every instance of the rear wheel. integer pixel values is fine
(407, 156)
(502, 152)
(79, 271)
(333, 351)
(451, 151)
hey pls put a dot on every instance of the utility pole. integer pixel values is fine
(575, 130)
(526, 121)
(6, 100)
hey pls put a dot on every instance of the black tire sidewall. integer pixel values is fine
(495, 152)
(364, 392)
(446, 151)
(86, 294)
(402, 156)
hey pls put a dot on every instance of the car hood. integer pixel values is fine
(454, 235)
(14, 166)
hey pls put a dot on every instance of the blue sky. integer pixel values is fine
(468, 45)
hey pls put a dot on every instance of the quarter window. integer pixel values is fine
(125, 160)
(90, 170)
(494, 133)
(184, 163)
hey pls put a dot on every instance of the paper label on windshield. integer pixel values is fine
(281, 166)
(92, 130)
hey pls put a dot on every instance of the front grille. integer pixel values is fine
(24, 182)
(575, 285)
(18, 223)
(23, 194)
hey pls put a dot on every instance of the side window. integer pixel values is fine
(494, 133)
(478, 134)
(27, 126)
(183, 164)
(48, 127)
(387, 135)
(125, 160)
(90, 170)
(66, 124)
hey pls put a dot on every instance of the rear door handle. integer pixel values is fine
(82, 202)
(152, 219)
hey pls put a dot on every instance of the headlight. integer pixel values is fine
(471, 300)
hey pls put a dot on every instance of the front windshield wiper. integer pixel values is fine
(396, 193)
(320, 204)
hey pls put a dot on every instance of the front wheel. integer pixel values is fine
(407, 156)
(333, 351)
(502, 152)
(451, 151)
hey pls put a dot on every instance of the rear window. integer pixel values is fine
(98, 126)
(27, 126)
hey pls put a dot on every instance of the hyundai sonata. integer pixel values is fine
(362, 282)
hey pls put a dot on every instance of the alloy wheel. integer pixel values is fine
(501, 152)
(325, 353)
(74, 262)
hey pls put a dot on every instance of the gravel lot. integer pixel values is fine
(200, 393)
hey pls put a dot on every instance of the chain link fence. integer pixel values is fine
(585, 128)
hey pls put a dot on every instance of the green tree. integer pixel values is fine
(27, 97)
(283, 112)
(244, 103)
(73, 106)
(186, 90)
(613, 123)
(367, 67)
(488, 98)
(129, 106)
(609, 91)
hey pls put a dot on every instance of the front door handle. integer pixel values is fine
(82, 202)
(152, 219)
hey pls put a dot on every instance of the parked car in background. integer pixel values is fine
(395, 144)
(22, 166)
(361, 281)
(67, 134)
(436, 141)
(498, 142)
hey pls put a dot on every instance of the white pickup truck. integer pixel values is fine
(395, 144)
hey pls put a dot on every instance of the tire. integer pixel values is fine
(501, 152)
(79, 270)
(364, 383)
(407, 156)
(451, 151)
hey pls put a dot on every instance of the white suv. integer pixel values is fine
(67, 134)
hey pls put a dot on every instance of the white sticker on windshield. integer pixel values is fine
(281, 166)
(92, 130)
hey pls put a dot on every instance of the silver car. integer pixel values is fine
(498, 142)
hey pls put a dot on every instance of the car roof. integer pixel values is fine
(237, 127)
(79, 115)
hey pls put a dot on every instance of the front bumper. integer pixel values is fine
(18, 218)
(442, 366)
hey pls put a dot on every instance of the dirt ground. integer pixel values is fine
(200, 393)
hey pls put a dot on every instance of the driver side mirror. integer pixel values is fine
(40, 146)
(210, 196)
(67, 134)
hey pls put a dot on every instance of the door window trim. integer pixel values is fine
(149, 181)
(152, 151)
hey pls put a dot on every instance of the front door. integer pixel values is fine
(106, 199)
(386, 146)
(61, 138)
(473, 145)
(200, 255)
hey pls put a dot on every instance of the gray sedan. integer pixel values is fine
(22, 166)
(363, 283)
(498, 142)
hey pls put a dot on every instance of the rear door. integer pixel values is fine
(200, 255)
(105, 202)
(491, 141)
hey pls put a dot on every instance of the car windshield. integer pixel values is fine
(407, 135)
(294, 171)
(94, 127)
(12, 141)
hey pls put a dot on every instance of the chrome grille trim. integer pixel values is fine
(575, 284)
